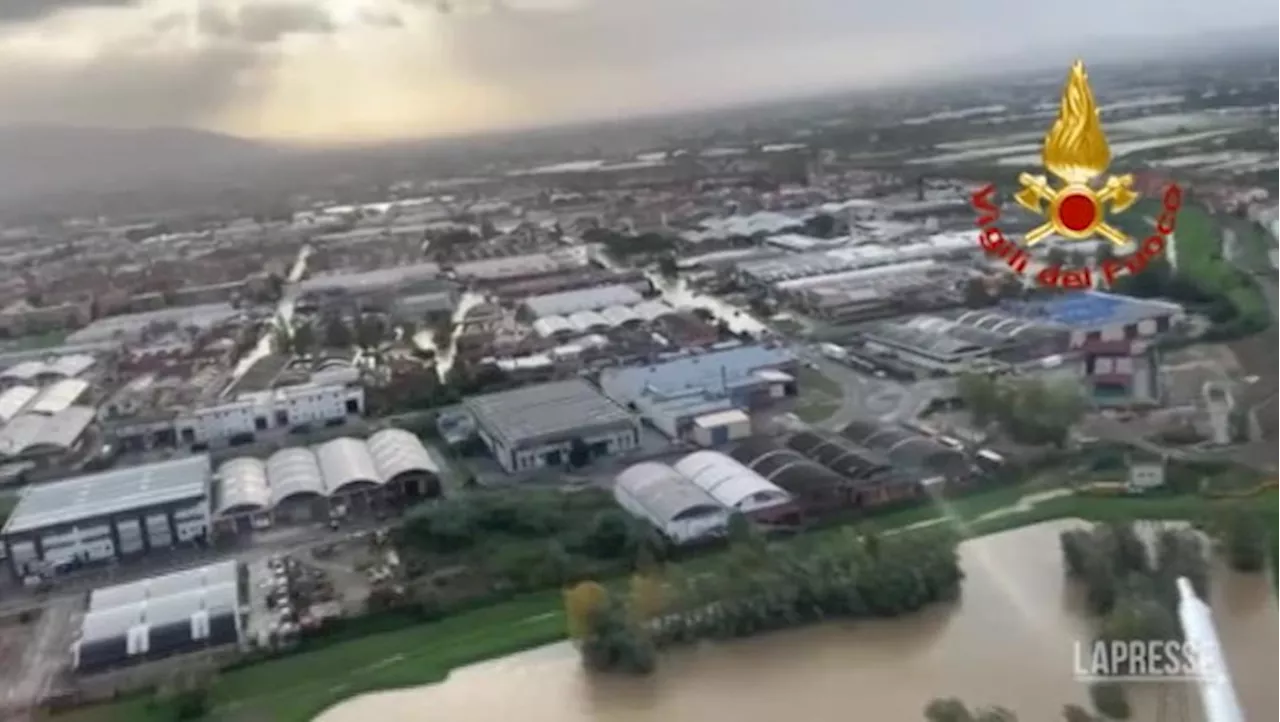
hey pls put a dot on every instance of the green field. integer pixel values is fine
(296, 688)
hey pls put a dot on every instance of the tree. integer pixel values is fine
(1110, 700)
(976, 294)
(1244, 538)
(581, 602)
(953, 710)
(370, 331)
(1077, 259)
(337, 334)
(981, 396)
(1076, 713)
(646, 597)
(1056, 256)
(304, 338)
(668, 267)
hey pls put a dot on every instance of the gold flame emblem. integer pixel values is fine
(1077, 153)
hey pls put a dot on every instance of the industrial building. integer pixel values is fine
(567, 303)
(869, 293)
(693, 499)
(826, 473)
(672, 394)
(769, 271)
(160, 617)
(45, 371)
(290, 408)
(540, 426)
(587, 321)
(931, 344)
(107, 515)
(301, 483)
(921, 456)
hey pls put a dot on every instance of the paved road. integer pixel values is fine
(863, 395)
(1259, 455)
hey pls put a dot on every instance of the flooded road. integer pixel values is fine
(1008, 642)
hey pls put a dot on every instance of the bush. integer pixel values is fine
(1110, 700)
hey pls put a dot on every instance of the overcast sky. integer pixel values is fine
(370, 69)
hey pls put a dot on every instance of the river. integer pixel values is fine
(1008, 641)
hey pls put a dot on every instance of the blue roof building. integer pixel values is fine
(671, 394)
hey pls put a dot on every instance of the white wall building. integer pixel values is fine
(287, 408)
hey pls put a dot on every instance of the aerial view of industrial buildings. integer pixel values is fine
(220, 434)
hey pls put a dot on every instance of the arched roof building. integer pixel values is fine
(331, 469)
(397, 452)
(346, 464)
(730, 482)
(292, 473)
(242, 487)
(840, 455)
(662, 496)
(789, 469)
(906, 448)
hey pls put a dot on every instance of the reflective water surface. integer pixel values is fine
(1009, 641)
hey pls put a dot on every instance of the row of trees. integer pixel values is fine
(1027, 410)
(759, 586)
(954, 710)
(1132, 588)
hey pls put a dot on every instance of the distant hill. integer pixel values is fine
(38, 160)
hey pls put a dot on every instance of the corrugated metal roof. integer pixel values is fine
(14, 400)
(59, 396)
(110, 492)
(544, 410)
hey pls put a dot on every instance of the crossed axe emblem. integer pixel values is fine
(1076, 211)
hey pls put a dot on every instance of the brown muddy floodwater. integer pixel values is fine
(1008, 641)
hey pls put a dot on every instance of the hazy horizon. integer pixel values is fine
(367, 71)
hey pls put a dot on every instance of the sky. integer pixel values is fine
(367, 70)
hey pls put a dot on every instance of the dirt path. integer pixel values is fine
(1021, 506)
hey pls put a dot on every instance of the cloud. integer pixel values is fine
(24, 11)
(264, 22)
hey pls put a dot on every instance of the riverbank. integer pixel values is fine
(298, 687)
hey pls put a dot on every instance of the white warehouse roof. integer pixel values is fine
(661, 494)
(248, 484)
(58, 430)
(586, 299)
(62, 366)
(14, 400)
(730, 482)
(59, 396)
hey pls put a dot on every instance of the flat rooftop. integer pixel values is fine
(109, 492)
(545, 410)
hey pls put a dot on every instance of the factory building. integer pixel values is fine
(1122, 372)
(693, 499)
(115, 514)
(299, 484)
(673, 394)
(568, 303)
(827, 474)
(672, 504)
(291, 408)
(766, 272)
(159, 617)
(920, 456)
(547, 425)
(869, 293)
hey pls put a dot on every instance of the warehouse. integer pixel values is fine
(932, 344)
(45, 434)
(854, 257)
(113, 514)
(906, 449)
(875, 292)
(675, 506)
(306, 483)
(737, 487)
(672, 394)
(160, 617)
(48, 370)
(815, 489)
(568, 303)
(1096, 316)
(550, 425)
(825, 473)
